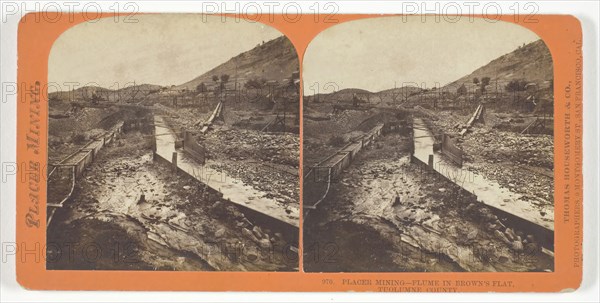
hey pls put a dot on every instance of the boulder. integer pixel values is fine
(264, 243)
(246, 232)
(258, 232)
(510, 234)
(517, 246)
(220, 232)
(472, 234)
(500, 235)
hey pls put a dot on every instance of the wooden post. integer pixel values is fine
(174, 161)
(154, 142)
(430, 162)
(444, 142)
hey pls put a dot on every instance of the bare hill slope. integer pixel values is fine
(272, 60)
(531, 62)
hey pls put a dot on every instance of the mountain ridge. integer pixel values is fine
(274, 60)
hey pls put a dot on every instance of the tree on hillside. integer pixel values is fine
(215, 79)
(224, 79)
(253, 83)
(201, 88)
(516, 85)
(485, 81)
(96, 98)
(475, 80)
(462, 90)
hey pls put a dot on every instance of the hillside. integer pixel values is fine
(399, 94)
(86, 93)
(275, 60)
(532, 63)
(81, 93)
(341, 95)
(388, 97)
(272, 60)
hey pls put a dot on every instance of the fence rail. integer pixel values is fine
(317, 182)
(77, 162)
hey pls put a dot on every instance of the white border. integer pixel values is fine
(588, 12)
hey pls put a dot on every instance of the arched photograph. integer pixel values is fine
(173, 146)
(428, 146)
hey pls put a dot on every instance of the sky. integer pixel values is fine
(380, 53)
(162, 49)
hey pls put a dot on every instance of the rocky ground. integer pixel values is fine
(72, 130)
(435, 227)
(141, 216)
(185, 117)
(325, 132)
(521, 163)
(268, 161)
(259, 159)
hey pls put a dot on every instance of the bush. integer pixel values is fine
(336, 140)
(78, 139)
(201, 88)
(516, 85)
(462, 90)
(253, 83)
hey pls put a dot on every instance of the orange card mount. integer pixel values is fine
(175, 153)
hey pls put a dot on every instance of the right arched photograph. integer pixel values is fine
(428, 146)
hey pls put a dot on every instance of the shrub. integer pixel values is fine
(78, 139)
(516, 85)
(336, 140)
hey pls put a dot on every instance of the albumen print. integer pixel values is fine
(175, 148)
(428, 147)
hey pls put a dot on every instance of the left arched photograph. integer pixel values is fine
(173, 145)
